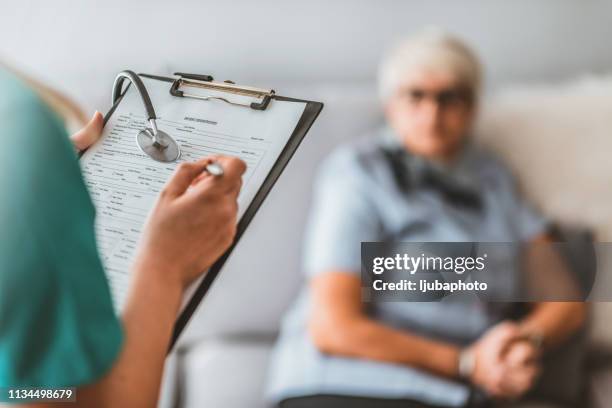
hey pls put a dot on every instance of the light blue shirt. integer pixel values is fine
(375, 191)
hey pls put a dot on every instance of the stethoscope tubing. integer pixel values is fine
(137, 82)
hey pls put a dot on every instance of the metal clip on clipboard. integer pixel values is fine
(206, 82)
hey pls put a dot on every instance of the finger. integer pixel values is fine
(233, 167)
(226, 162)
(502, 335)
(235, 191)
(234, 212)
(205, 174)
(183, 177)
(507, 343)
(522, 353)
(517, 381)
(229, 182)
(510, 391)
(494, 386)
(90, 133)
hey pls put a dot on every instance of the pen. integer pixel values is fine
(214, 169)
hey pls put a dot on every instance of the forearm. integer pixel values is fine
(148, 319)
(555, 321)
(364, 338)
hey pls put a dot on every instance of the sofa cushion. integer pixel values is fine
(558, 138)
(224, 373)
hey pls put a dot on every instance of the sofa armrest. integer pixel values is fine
(598, 367)
(600, 388)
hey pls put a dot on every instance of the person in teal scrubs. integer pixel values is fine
(57, 324)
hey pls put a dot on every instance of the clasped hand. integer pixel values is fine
(506, 363)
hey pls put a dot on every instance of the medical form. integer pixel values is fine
(124, 182)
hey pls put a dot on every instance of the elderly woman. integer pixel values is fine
(417, 179)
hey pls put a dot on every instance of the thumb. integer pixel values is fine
(90, 133)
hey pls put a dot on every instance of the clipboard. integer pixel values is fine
(179, 87)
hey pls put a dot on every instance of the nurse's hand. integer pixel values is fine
(191, 225)
(193, 221)
(90, 133)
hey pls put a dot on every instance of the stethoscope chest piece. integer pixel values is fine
(161, 148)
(155, 143)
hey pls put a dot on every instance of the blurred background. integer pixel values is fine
(547, 110)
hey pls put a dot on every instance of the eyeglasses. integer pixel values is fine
(451, 98)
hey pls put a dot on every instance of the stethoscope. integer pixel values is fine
(155, 143)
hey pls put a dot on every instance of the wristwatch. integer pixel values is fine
(466, 364)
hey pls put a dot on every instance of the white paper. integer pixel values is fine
(124, 182)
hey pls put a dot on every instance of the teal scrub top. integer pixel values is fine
(57, 324)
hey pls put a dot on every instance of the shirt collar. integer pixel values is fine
(457, 182)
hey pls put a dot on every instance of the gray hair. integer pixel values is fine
(432, 49)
